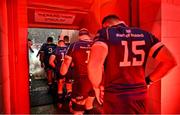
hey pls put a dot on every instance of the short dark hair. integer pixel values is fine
(50, 39)
(110, 17)
(60, 41)
(83, 31)
(66, 38)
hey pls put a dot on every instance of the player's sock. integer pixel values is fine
(60, 100)
(50, 87)
(89, 111)
(68, 96)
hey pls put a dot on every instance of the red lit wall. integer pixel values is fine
(150, 20)
(4, 62)
(14, 84)
(102, 8)
(170, 87)
(18, 55)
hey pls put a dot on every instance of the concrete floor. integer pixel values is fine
(43, 102)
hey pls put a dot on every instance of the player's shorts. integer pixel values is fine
(58, 75)
(47, 66)
(115, 103)
(69, 75)
(82, 88)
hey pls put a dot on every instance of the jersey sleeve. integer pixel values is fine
(42, 49)
(70, 49)
(156, 46)
(54, 48)
(101, 35)
(54, 52)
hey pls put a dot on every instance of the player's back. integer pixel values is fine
(60, 53)
(80, 56)
(48, 49)
(128, 49)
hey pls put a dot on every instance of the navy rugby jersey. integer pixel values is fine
(48, 49)
(128, 49)
(59, 52)
(80, 51)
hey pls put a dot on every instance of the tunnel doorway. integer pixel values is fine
(38, 86)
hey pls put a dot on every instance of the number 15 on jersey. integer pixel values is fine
(135, 51)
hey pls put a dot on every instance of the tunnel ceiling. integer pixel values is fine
(77, 9)
(79, 5)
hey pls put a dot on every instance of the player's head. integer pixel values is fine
(61, 43)
(110, 20)
(84, 34)
(50, 39)
(30, 43)
(59, 37)
(66, 39)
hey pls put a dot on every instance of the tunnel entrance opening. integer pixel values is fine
(40, 97)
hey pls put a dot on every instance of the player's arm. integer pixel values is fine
(96, 63)
(41, 53)
(41, 58)
(51, 60)
(166, 63)
(96, 67)
(65, 64)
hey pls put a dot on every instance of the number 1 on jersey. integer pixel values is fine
(134, 61)
(125, 61)
(88, 54)
(62, 54)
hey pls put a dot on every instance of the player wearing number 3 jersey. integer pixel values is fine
(123, 52)
(78, 54)
(45, 52)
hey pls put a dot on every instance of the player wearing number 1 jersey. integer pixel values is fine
(55, 61)
(78, 54)
(45, 52)
(123, 52)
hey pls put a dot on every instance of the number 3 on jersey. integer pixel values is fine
(50, 50)
(136, 51)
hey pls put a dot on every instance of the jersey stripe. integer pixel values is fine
(154, 49)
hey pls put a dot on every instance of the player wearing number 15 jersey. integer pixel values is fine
(123, 52)
(78, 54)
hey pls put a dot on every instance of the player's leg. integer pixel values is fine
(49, 72)
(89, 105)
(49, 76)
(78, 106)
(88, 90)
(61, 80)
(69, 83)
(78, 99)
(68, 89)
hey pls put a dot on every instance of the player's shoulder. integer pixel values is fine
(52, 44)
(100, 35)
(44, 45)
(102, 31)
(72, 45)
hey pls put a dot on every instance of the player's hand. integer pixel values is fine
(101, 93)
(98, 95)
(42, 65)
